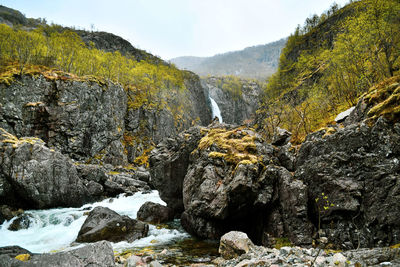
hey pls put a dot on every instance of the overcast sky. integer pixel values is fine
(172, 28)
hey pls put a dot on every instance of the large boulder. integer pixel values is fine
(105, 224)
(234, 244)
(98, 254)
(227, 186)
(154, 213)
(35, 176)
(81, 117)
(169, 162)
(353, 179)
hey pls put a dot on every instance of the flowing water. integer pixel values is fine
(216, 112)
(56, 229)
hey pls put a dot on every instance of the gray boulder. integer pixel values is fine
(234, 244)
(228, 190)
(154, 213)
(98, 254)
(105, 224)
(13, 251)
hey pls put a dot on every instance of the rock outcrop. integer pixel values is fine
(353, 178)
(105, 224)
(98, 254)
(83, 119)
(34, 176)
(232, 181)
(154, 213)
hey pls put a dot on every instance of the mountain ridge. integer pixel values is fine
(257, 62)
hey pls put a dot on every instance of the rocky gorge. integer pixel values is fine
(97, 172)
(337, 190)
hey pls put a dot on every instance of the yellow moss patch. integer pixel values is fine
(113, 173)
(385, 100)
(395, 246)
(235, 145)
(15, 141)
(23, 257)
(329, 131)
(33, 104)
(12, 70)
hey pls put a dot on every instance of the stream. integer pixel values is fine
(55, 230)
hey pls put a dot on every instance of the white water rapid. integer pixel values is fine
(55, 229)
(216, 112)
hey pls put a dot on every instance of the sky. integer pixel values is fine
(173, 28)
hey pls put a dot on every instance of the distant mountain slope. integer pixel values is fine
(256, 62)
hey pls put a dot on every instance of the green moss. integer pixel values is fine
(235, 146)
(282, 242)
(384, 99)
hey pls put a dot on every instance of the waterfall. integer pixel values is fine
(216, 112)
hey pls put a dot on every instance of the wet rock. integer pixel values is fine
(34, 176)
(7, 213)
(234, 244)
(98, 254)
(154, 213)
(105, 224)
(13, 251)
(21, 222)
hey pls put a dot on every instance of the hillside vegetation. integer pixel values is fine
(149, 86)
(257, 62)
(329, 63)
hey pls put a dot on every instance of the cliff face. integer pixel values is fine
(237, 101)
(81, 119)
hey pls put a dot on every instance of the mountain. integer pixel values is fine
(256, 62)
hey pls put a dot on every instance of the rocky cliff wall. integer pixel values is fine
(238, 102)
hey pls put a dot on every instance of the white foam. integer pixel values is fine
(56, 229)
(216, 112)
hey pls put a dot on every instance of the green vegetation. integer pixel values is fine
(329, 63)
